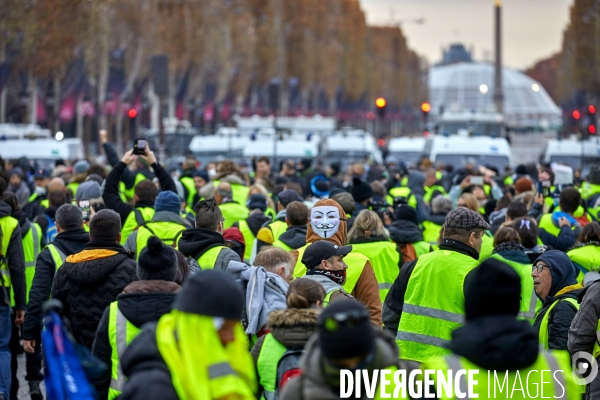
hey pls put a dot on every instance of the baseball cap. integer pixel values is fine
(465, 218)
(287, 196)
(322, 250)
(42, 173)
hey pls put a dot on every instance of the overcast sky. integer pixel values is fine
(532, 28)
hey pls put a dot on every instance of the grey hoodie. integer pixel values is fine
(265, 292)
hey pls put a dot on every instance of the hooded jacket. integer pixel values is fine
(68, 242)
(316, 383)
(88, 282)
(16, 262)
(403, 231)
(141, 302)
(367, 288)
(255, 222)
(564, 285)
(196, 241)
(294, 236)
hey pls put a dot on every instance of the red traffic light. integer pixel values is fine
(592, 129)
(132, 113)
(380, 102)
(576, 114)
(592, 109)
(381, 142)
(426, 107)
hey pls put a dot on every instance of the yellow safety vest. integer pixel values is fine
(433, 304)
(587, 257)
(384, 260)
(277, 228)
(487, 246)
(31, 248)
(356, 263)
(526, 383)
(431, 233)
(430, 190)
(120, 334)
(543, 332)
(168, 232)
(402, 191)
(137, 217)
(8, 225)
(209, 258)
(131, 192)
(58, 256)
(248, 238)
(547, 224)
(268, 358)
(190, 186)
(529, 301)
(233, 212)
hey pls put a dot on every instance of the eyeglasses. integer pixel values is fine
(538, 267)
(349, 319)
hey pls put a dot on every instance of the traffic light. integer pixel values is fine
(381, 105)
(576, 115)
(425, 108)
(593, 120)
(132, 114)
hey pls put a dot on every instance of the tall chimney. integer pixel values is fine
(498, 93)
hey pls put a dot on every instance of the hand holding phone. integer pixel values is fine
(139, 147)
(477, 180)
(84, 206)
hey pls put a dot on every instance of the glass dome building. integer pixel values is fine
(463, 85)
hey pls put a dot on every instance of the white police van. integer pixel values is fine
(479, 150)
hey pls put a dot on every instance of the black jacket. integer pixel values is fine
(141, 302)
(16, 263)
(41, 219)
(88, 282)
(394, 302)
(69, 242)
(402, 231)
(294, 236)
(111, 196)
(196, 241)
(148, 377)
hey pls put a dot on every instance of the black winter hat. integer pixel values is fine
(345, 330)
(157, 261)
(407, 213)
(361, 191)
(493, 288)
(257, 201)
(213, 293)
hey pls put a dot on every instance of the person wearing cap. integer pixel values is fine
(425, 303)
(145, 193)
(140, 302)
(198, 350)
(324, 264)
(257, 205)
(90, 280)
(17, 185)
(88, 190)
(345, 339)
(270, 233)
(80, 172)
(231, 209)
(296, 217)
(205, 242)
(405, 232)
(493, 340)
(235, 241)
(555, 284)
(38, 201)
(327, 222)
(166, 224)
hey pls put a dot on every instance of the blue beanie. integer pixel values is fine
(167, 201)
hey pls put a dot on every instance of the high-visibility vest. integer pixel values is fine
(239, 192)
(190, 186)
(355, 261)
(271, 213)
(547, 224)
(249, 238)
(487, 246)
(384, 260)
(8, 225)
(31, 249)
(431, 233)
(526, 383)
(543, 332)
(131, 191)
(120, 334)
(588, 190)
(233, 212)
(209, 258)
(402, 191)
(278, 228)
(433, 304)
(73, 186)
(44, 202)
(168, 232)
(268, 358)
(529, 301)
(430, 190)
(137, 217)
(587, 257)
(281, 245)
(58, 256)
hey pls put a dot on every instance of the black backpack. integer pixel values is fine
(288, 367)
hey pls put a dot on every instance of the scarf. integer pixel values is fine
(338, 276)
(190, 346)
(508, 246)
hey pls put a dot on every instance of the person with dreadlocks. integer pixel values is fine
(197, 351)
(205, 242)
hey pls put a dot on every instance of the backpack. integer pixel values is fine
(51, 231)
(288, 367)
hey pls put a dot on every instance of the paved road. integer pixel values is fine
(23, 386)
